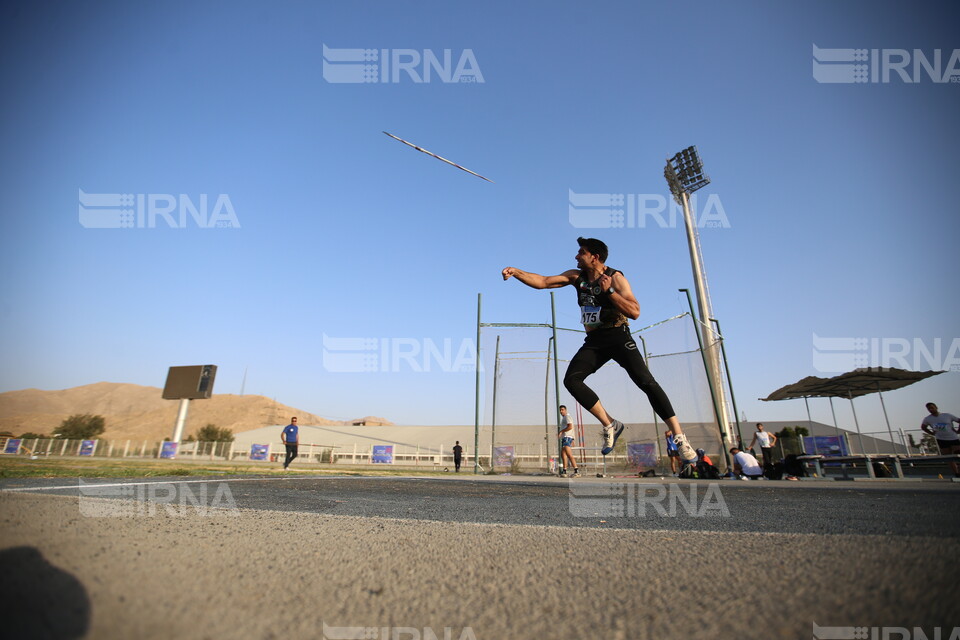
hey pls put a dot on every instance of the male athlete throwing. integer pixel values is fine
(606, 301)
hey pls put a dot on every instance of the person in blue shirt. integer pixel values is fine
(672, 452)
(290, 438)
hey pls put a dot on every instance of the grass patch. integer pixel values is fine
(22, 467)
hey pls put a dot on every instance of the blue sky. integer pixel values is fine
(842, 220)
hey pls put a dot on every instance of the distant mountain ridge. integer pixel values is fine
(135, 412)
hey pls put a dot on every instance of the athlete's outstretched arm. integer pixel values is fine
(537, 281)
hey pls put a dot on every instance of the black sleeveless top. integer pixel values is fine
(590, 297)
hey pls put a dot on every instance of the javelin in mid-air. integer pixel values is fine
(429, 153)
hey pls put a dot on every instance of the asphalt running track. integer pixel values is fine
(468, 556)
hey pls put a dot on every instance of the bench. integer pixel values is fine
(870, 458)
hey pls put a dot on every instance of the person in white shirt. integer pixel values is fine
(940, 426)
(766, 441)
(566, 441)
(745, 464)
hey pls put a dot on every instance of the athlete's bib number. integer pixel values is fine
(590, 316)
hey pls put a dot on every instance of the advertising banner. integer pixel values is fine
(826, 445)
(382, 454)
(502, 456)
(642, 454)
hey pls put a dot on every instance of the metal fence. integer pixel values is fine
(523, 457)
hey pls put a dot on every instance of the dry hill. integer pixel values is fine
(135, 412)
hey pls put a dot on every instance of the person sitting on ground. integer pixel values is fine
(705, 467)
(745, 465)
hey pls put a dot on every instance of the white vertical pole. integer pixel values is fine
(893, 446)
(836, 425)
(181, 419)
(126, 448)
(857, 423)
(710, 345)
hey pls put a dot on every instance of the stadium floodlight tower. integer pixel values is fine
(684, 174)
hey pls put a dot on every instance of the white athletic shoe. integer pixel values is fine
(610, 436)
(687, 453)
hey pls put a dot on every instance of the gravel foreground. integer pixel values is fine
(271, 574)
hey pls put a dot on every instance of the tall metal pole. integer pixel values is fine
(703, 301)
(476, 407)
(713, 395)
(493, 416)
(556, 368)
(726, 366)
(546, 404)
(656, 423)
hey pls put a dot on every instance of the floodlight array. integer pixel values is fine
(684, 172)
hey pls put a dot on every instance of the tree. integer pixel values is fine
(81, 427)
(927, 445)
(793, 432)
(213, 433)
(30, 435)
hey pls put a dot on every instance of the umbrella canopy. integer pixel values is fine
(852, 384)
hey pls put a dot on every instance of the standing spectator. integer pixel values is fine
(766, 442)
(940, 426)
(745, 465)
(290, 437)
(457, 456)
(672, 453)
(566, 441)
